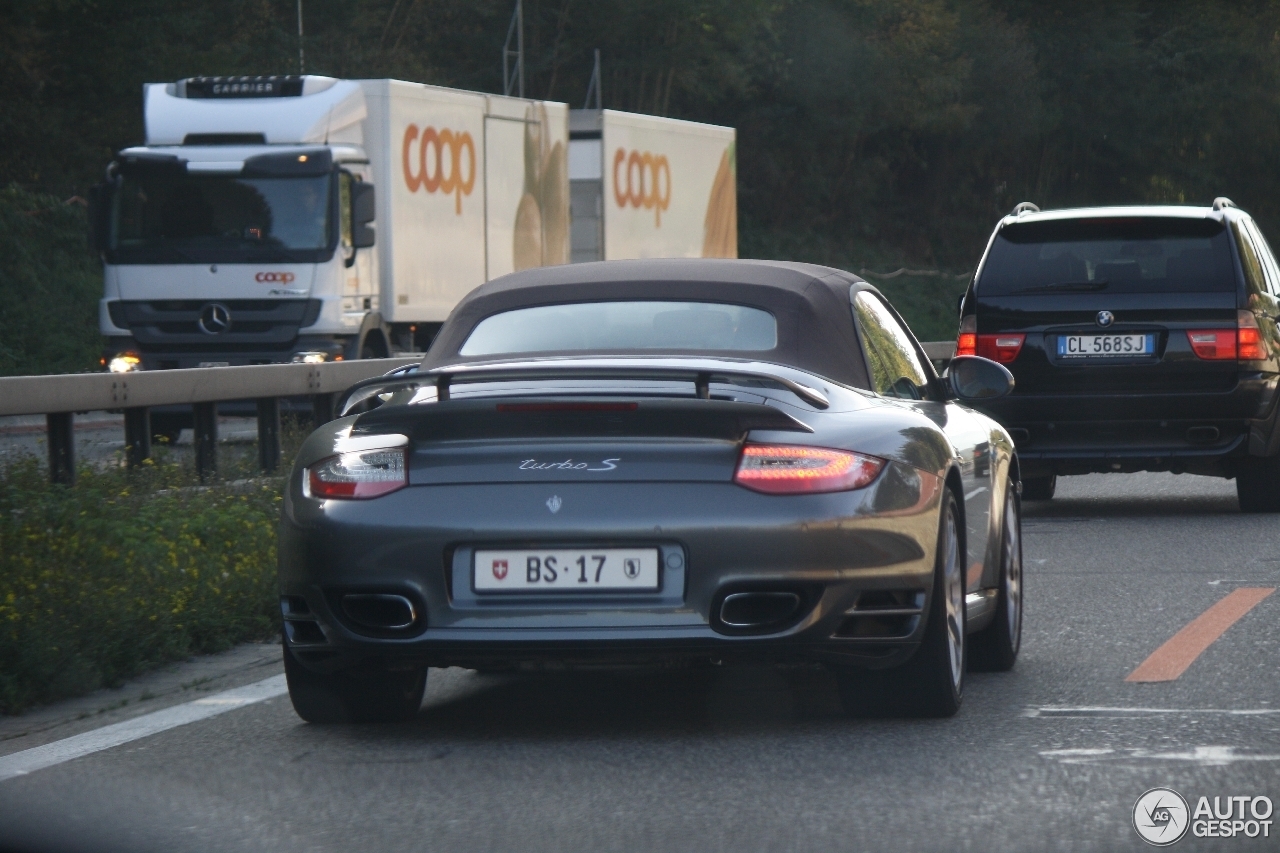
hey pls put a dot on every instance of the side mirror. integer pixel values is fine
(363, 212)
(977, 380)
(99, 216)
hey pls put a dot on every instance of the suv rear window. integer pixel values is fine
(1118, 255)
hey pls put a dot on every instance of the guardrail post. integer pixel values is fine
(60, 432)
(206, 439)
(322, 408)
(268, 434)
(137, 435)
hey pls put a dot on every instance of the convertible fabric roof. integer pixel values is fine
(810, 303)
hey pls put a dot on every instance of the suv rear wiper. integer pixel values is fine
(1099, 284)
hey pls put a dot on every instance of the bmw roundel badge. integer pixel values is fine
(1106, 318)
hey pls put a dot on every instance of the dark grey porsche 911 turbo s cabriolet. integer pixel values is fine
(654, 461)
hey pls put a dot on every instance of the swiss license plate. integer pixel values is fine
(1105, 346)
(566, 570)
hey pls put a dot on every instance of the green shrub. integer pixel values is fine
(125, 570)
(49, 286)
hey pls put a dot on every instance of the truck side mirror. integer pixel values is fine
(362, 215)
(99, 216)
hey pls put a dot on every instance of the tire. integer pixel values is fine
(931, 682)
(995, 647)
(364, 697)
(1039, 488)
(1258, 484)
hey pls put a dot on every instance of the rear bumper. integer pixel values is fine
(1193, 433)
(832, 548)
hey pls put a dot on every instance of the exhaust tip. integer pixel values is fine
(760, 611)
(1202, 434)
(380, 611)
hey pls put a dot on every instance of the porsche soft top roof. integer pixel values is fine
(810, 304)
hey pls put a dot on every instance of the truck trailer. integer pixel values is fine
(306, 218)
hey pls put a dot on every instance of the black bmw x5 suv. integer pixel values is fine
(1141, 339)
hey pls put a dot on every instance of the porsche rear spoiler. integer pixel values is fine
(700, 372)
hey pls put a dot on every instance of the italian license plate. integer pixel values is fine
(1105, 346)
(566, 570)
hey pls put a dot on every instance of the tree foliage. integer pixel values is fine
(883, 129)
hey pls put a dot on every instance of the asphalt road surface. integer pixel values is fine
(1052, 756)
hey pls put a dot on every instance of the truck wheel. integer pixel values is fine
(1039, 488)
(1258, 484)
(353, 697)
(931, 682)
(995, 647)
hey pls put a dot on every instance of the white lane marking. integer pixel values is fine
(40, 757)
(1205, 756)
(1105, 711)
(1231, 580)
(976, 491)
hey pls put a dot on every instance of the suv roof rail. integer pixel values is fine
(1222, 201)
(1028, 207)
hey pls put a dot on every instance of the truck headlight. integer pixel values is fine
(312, 357)
(125, 362)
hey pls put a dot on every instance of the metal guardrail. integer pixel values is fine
(58, 398)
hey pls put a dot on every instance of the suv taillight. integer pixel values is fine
(1249, 344)
(967, 339)
(1002, 348)
(1243, 343)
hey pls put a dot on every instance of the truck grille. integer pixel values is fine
(176, 323)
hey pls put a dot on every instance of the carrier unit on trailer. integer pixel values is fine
(304, 218)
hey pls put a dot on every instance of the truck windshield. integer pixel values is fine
(168, 217)
(1121, 255)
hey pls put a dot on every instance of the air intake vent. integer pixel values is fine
(883, 615)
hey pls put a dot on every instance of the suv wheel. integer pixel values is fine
(1039, 488)
(1258, 485)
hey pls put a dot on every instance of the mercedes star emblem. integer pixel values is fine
(214, 319)
(1106, 318)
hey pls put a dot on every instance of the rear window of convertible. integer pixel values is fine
(639, 325)
(1120, 255)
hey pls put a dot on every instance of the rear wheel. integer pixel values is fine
(1258, 484)
(353, 697)
(1039, 488)
(931, 683)
(995, 647)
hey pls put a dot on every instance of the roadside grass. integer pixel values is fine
(129, 569)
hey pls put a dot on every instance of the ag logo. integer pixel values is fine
(500, 569)
(454, 175)
(647, 184)
(1160, 816)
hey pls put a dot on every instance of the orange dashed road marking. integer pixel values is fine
(1172, 659)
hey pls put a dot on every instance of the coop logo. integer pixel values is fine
(642, 179)
(439, 161)
(1160, 816)
(276, 277)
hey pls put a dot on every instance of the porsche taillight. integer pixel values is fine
(360, 474)
(967, 339)
(786, 469)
